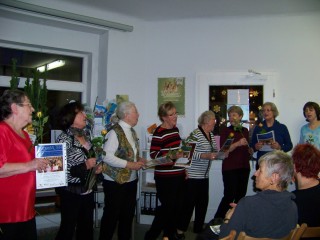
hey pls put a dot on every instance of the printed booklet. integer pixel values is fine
(156, 162)
(55, 174)
(267, 139)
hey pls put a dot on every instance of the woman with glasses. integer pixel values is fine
(17, 168)
(169, 179)
(282, 139)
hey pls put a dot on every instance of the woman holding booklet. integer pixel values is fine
(18, 167)
(170, 180)
(197, 185)
(280, 137)
(235, 166)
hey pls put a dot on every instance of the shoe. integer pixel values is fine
(180, 236)
(216, 221)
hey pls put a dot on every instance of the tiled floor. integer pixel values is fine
(139, 231)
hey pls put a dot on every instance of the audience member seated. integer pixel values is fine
(270, 213)
(306, 159)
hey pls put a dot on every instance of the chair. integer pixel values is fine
(298, 231)
(293, 235)
(231, 235)
(311, 232)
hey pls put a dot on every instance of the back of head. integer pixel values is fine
(123, 109)
(280, 163)
(7, 98)
(68, 113)
(306, 159)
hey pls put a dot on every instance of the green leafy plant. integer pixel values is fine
(37, 94)
(262, 130)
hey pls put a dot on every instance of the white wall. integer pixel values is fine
(288, 45)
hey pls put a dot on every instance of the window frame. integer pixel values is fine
(82, 87)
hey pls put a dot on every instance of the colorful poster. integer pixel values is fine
(55, 174)
(172, 89)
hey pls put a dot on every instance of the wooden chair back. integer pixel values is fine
(295, 234)
(298, 231)
(311, 232)
(231, 235)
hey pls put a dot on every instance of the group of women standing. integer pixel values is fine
(235, 166)
(180, 191)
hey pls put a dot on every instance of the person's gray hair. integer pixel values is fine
(274, 108)
(205, 117)
(123, 109)
(281, 163)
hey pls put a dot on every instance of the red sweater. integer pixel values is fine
(239, 157)
(164, 140)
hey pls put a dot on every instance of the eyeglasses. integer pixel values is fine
(25, 104)
(173, 114)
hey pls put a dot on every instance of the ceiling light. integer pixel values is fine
(49, 66)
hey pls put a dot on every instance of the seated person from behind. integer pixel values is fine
(306, 160)
(272, 212)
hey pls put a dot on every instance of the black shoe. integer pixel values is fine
(215, 221)
(178, 236)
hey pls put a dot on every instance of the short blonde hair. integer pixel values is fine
(274, 108)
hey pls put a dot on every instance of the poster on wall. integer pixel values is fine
(172, 89)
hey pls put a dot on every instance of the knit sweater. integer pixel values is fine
(164, 140)
(268, 214)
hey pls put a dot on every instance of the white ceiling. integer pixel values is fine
(157, 10)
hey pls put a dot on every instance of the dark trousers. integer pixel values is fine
(196, 198)
(20, 230)
(170, 191)
(76, 216)
(235, 184)
(119, 209)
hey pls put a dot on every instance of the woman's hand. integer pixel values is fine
(258, 145)
(39, 164)
(179, 154)
(230, 211)
(275, 145)
(99, 168)
(142, 160)
(209, 156)
(242, 142)
(135, 165)
(91, 162)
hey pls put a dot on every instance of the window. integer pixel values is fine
(64, 83)
(218, 104)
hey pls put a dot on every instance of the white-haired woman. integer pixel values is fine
(272, 212)
(120, 177)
